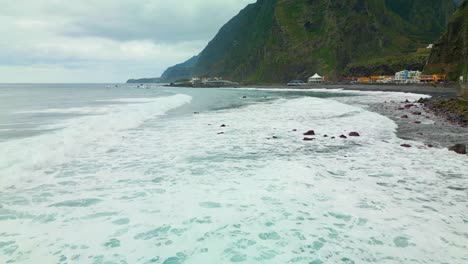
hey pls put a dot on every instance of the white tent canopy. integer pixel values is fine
(316, 76)
(316, 79)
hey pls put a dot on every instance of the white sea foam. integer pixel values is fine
(70, 110)
(23, 155)
(128, 100)
(176, 191)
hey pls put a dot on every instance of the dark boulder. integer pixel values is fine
(408, 106)
(309, 133)
(417, 122)
(343, 136)
(404, 117)
(308, 139)
(223, 125)
(406, 145)
(325, 135)
(458, 148)
(416, 113)
(354, 134)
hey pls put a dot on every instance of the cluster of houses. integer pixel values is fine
(402, 77)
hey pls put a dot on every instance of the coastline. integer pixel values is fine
(422, 124)
(445, 91)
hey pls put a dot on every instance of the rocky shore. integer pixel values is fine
(454, 110)
(439, 121)
(433, 121)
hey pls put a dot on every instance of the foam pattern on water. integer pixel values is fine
(176, 191)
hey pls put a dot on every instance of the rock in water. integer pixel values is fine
(343, 136)
(404, 117)
(354, 134)
(406, 145)
(308, 139)
(458, 148)
(309, 133)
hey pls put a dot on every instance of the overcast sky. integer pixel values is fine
(104, 40)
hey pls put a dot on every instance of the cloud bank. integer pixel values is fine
(105, 40)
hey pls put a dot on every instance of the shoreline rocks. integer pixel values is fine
(453, 110)
(458, 148)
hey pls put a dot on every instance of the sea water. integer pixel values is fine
(149, 174)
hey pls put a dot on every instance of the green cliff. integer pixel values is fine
(279, 40)
(450, 54)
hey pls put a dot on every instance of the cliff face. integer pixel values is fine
(450, 54)
(279, 40)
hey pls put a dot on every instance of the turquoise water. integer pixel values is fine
(126, 174)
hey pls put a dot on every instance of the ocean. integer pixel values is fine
(115, 173)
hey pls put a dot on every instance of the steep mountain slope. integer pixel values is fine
(450, 54)
(182, 70)
(278, 40)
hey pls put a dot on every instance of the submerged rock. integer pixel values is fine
(354, 134)
(417, 122)
(309, 133)
(417, 113)
(343, 136)
(308, 139)
(223, 125)
(458, 148)
(404, 117)
(406, 145)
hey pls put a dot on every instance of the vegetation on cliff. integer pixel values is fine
(450, 54)
(279, 40)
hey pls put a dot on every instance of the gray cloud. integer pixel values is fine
(105, 40)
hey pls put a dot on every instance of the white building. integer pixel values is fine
(316, 79)
(407, 76)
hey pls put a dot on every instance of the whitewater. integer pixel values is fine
(148, 174)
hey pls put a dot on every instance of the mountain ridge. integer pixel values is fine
(278, 40)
